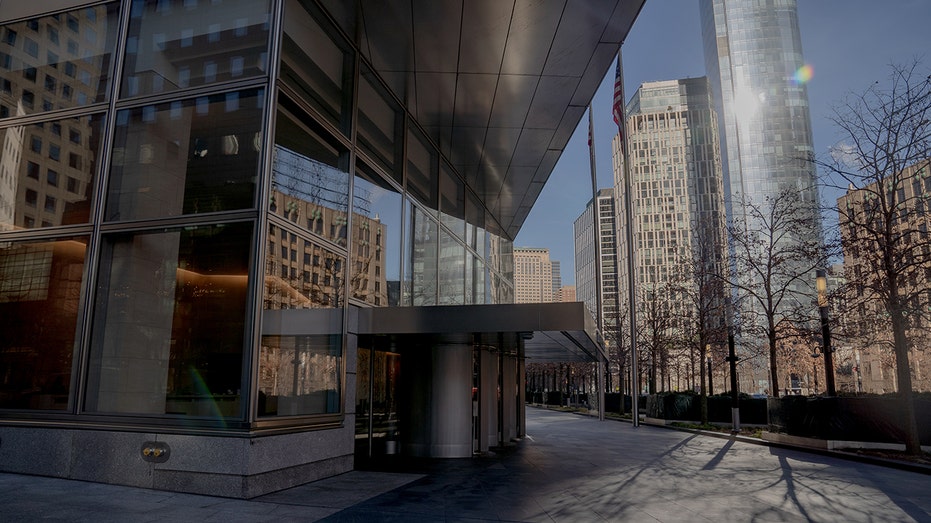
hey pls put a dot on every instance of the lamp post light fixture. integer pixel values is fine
(822, 285)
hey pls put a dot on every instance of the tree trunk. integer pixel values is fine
(773, 371)
(702, 390)
(904, 377)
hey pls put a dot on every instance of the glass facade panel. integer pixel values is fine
(51, 65)
(299, 375)
(476, 280)
(452, 201)
(475, 224)
(379, 133)
(376, 249)
(186, 157)
(301, 352)
(169, 322)
(324, 77)
(29, 175)
(422, 178)
(310, 179)
(40, 296)
(423, 258)
(452, 277)
(175, 44)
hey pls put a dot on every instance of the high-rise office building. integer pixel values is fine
(599, 215)
(753, 58)
(533, 275)
(867, 346)
(557, 278)
(679, 218)
(566, 293)
(227, 228)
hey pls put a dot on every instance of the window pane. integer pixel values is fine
(379, 125)
(40, 294)
(299, 375)
(423, 258)
(322, 78)
(452, 201)
(451, 271)
(376, 256)
(187, 157)
(475, 280)
(310, 179)
(475, 224)
(174, 44)
(422, 178)
(300, 357)
(28, 175)
(34, 63)
(169, 322)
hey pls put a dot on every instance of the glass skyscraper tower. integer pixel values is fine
(753, 51)
(753, 57)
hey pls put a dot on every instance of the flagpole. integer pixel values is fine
(596, 233)
(619, 101)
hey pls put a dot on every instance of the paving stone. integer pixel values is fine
(570, 468)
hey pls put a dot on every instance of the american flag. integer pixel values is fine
(619, 100)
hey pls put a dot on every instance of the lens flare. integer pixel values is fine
(803, 75)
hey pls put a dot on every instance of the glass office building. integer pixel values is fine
(753, 57)
(244, 244)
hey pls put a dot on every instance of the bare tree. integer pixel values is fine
(702, 291)
(884, 162)
(654, 332)
(776, 248)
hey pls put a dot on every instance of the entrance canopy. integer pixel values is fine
(551, 332)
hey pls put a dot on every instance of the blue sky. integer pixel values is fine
(849, 43)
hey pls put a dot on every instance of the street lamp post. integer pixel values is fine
(735, 395)
(822, 285)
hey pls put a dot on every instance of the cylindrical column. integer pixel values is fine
(439, 382)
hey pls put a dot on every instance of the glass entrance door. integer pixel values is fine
(377, 430)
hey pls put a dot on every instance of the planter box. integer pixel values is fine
(869, 419)
(687, 407)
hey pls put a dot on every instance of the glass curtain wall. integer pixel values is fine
(147, 239)
(136, 251)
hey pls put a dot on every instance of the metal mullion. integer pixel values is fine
(192, 92)
(46, 233)
(174, 222)
(98, 200)
(315, 115)
(249, 378)
(48, 116)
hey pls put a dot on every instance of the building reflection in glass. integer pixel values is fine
(47, 172)
(40, 295)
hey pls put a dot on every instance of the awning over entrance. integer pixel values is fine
(551, 332)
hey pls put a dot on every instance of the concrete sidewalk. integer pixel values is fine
(570, 468)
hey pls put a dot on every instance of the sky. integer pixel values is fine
(849, 44)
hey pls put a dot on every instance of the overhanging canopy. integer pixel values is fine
(500, 85)
(551, 332)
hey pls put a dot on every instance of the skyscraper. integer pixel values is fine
(753, 57)
(557, 279)
(533, 275)
(676, 180)
(587, 286)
